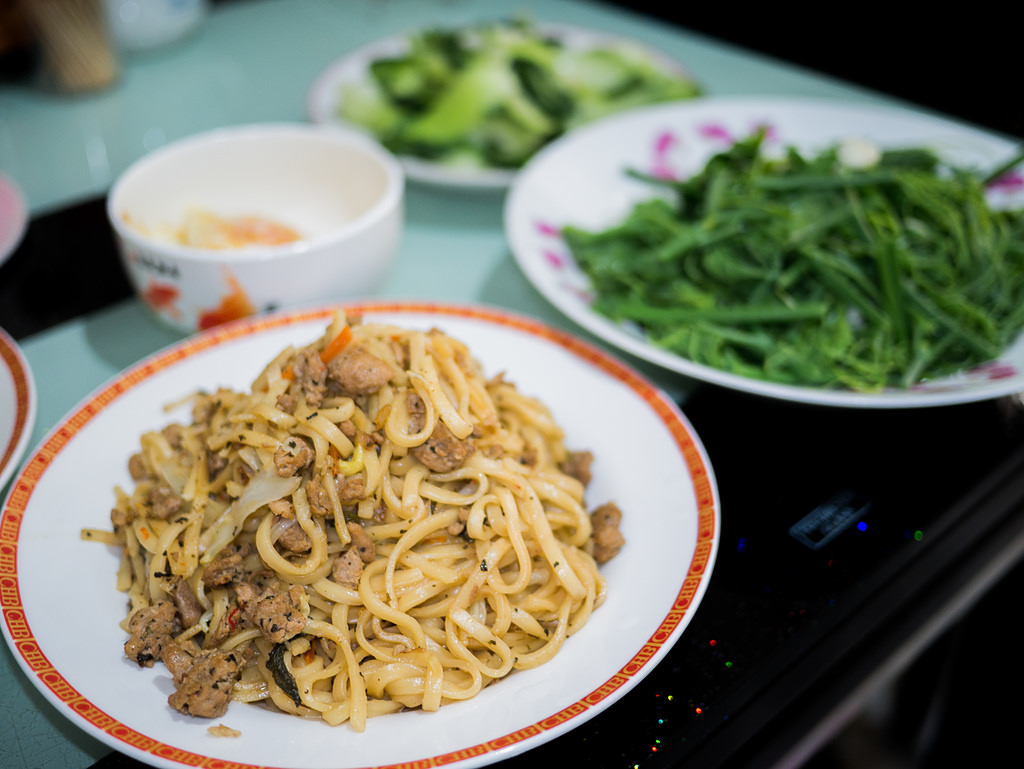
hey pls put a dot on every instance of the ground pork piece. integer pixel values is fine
(290, 536)
(319, 500)
(348, 568)
(442, 452)
(401, 353)
(163, 501)
(608, 540)
(150, 628)
(351, 488)
(226, 567)
(185, 601)
(174, 433)
(223, 731)
(292, 455)
(137, 467)
(215, 463)
(277, 613)
(357, 372)
(417, 412)
(205, 688)
(287, 402)
(282, 507)
(459, 526)
(177, 660)
(120, 518)
(577, 464)
(371, 440)
(362, 543)
(310, 375)
(367, 440)
(529, 456)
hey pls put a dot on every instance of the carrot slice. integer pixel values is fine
(337, 344)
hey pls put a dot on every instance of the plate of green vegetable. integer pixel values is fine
(825, 252)
(467, 106)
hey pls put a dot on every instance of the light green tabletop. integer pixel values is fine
(253, 61)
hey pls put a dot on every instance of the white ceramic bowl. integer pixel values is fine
(341, 191)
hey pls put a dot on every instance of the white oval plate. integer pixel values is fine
(324, 98)
(17, 406)
(579, 180)
(666, 491)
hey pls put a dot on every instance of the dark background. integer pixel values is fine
(963, 59)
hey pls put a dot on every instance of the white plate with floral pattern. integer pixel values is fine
(580, 180)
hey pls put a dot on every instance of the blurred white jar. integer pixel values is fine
(138, 25)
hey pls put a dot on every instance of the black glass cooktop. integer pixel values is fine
(843, 533)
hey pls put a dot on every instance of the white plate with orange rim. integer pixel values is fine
(581, 180)
(324, 98)
(671, 524)
(17, 406)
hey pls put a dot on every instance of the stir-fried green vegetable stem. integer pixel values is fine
(802, 270)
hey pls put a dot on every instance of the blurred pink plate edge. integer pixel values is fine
(13, 217)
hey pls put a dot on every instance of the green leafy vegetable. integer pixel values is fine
(492, 94)
(804, 270)
(282, 675)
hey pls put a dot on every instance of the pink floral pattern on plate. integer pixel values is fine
(663, 148)
(1010, 182)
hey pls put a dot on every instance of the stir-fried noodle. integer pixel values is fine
(373, 526)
